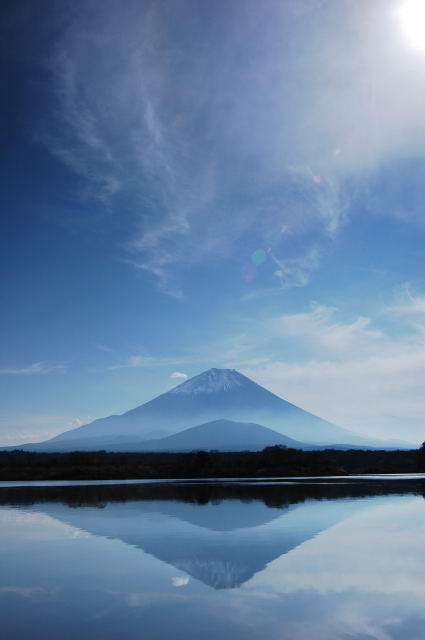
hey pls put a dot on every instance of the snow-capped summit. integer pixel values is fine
(211, 381)
(214, 395)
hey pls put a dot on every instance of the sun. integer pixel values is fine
(412, 15)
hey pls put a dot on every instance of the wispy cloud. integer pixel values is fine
(104, 348)
(319, 328)
(132, 362)
(355, 373)
(409, 303)
(35, 368)
(214, 155)
(295, 272)
(145, 361)
(375, 395)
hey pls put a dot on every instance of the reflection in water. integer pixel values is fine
(222, 534)
(115, 553)
(271, 493)
(221, 544)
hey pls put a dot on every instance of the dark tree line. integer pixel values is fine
(271, 461)
(421, 458)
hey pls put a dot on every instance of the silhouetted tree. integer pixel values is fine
(421, 458)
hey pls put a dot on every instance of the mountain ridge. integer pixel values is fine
(242, 401)
(213, 395)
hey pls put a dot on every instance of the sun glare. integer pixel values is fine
(412, 14)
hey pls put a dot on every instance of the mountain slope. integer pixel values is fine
(212, 395)
(222, 435)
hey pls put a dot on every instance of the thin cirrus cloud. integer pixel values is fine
(320, 328)
(220, 140)
(138, 361)
(356, 373)
(375, 395)
(132, 362)
(33, 369)
(409, 303)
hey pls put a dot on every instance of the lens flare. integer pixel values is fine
(248, 272)
(412, 16)
(258, 257)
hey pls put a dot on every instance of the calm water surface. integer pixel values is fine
(313, 559)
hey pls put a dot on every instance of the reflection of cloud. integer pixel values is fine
(180, 581)
(363, 553)
(139, 599)
(351, 585)
(21, 526)
(32, 593)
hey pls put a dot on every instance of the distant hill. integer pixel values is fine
(215, 396)
(218, 435)
(221, 435)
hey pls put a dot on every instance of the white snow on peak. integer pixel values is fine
(210, 381)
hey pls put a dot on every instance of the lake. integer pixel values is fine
(308, 559)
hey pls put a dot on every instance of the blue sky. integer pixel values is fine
(191, 184)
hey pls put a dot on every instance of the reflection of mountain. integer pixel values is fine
(222, 544)
(273, 493)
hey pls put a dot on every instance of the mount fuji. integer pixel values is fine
(217, 399)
